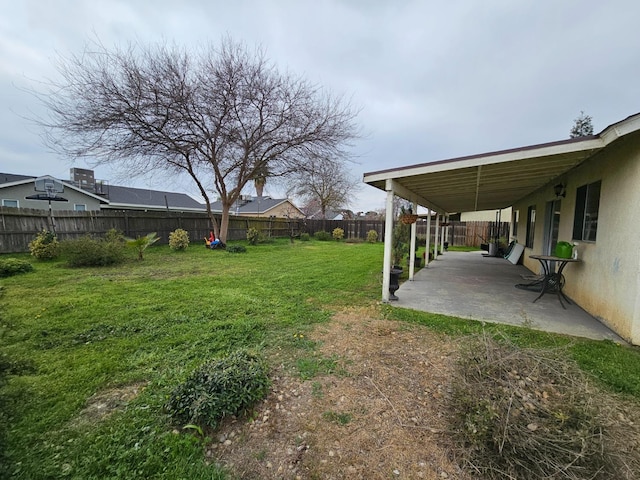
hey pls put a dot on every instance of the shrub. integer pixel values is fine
(305, 237)
(45, 246)
(13, 266)
(354, 240)
(253, 236)
(90, 252)
(114, 236)
(236, 248)
(220, 388)
(179, 239)
(338, 234)
(322, 236)
(529, 413)
(372, 236)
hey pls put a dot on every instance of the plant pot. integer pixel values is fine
(417, 263)
(408, 218)
(394, 281)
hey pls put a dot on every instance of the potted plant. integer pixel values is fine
(400, 245)
(407, 216)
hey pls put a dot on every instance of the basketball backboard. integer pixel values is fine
(51, 186)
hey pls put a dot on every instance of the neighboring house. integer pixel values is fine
(248, 206)
(84, 193)
(15, 190)
(584, 190)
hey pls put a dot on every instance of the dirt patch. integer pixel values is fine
(379, 415)
(103, 404)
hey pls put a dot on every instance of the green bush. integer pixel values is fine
(236, 248)
(13, 266)
(305, 237)
(90, 252)
(253, 236)
(322, 236)
(179, 239)
(372, 236)
(220, 388)
(115, 236)
(338, 234)
(45, 246)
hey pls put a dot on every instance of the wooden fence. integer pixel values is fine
(19, 226)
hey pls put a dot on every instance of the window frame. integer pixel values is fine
(76, 205)
(584, 220)
(17, 203)
(531, 225)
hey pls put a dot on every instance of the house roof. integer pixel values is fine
(127, 197)
(254, 205)
(494, 180)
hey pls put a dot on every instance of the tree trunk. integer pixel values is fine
(224, 222)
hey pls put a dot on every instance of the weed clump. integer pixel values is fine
(220, 388)
(236, 248)
(87, 251)
(323, 236)
(533, 414)
(14, 266)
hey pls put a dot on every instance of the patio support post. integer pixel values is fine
(444, 232)
(428, 242)
(412, 249)
(388, 241)
(435, 240)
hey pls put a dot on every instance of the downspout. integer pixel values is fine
(388, 241)
(412, 249)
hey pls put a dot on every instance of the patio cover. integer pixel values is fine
(488, 181)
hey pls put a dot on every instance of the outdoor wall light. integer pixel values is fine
(560, 190)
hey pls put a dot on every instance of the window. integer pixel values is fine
(531, 225)
(80, 207)
(585, 220)
(514, 223)
(10, 203)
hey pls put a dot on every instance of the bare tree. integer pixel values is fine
(224, 116)
(582, 126)
(324, 182)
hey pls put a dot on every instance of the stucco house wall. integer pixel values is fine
(20, 191)
(486, 216)
(606, 283)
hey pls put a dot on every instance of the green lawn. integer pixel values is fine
(74, 333)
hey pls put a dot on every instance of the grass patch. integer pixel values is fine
(338, 418)
(96, 329)
(86, 333)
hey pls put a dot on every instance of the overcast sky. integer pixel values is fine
(433, 79)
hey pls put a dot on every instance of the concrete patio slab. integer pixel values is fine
(469, 285)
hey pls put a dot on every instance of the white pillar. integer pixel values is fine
(388, 241)
(435, 240)
(412, 249)
(428, 242)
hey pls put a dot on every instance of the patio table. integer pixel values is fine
(552, 280)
